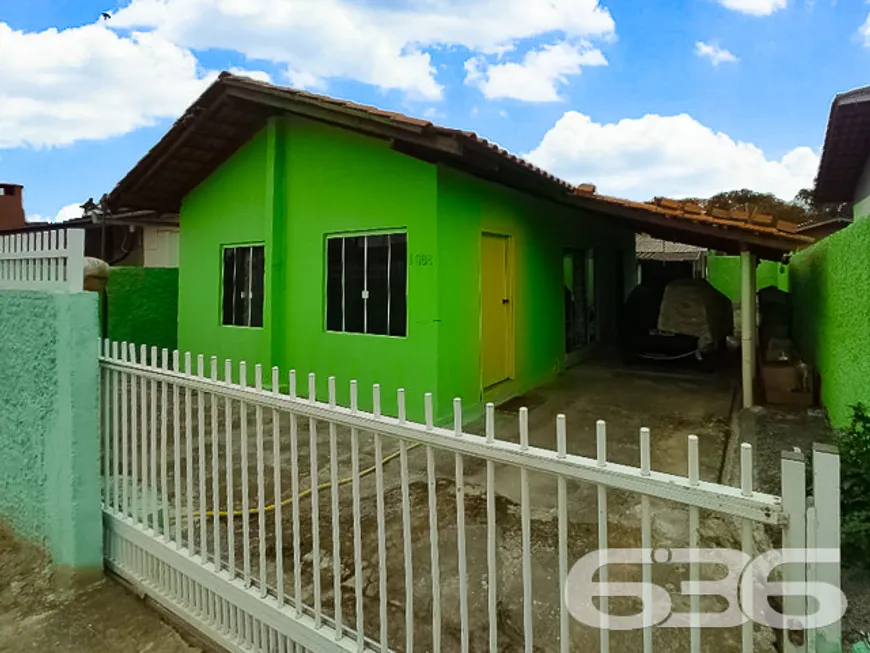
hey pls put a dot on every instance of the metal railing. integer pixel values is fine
(375, 532)
(44, 260)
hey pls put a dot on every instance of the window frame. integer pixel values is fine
(342, 236)
(250, 246)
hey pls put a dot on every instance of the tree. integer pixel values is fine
(806, 198)
(751, 201)
(803, 208)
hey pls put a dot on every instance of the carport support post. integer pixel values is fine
(747, 317)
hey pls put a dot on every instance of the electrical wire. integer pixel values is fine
(302, 495)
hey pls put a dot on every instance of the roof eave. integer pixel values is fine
(772, 246)
(836, 179)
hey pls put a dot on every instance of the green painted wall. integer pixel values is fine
(49, 424)
(830, 287)
(229, 208)
(540, 232)
(299, 181)
(723, 273)
(319, 180)
(339, 181)
(143, 306)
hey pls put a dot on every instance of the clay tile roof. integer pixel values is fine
(235, 108)
(689, 212)
(762, 218)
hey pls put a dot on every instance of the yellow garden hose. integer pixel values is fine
(302, 495)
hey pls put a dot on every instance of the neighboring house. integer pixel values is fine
(818, 229)
(160, 246)
(149, 242)
(11, 206)
(660, 261)
(339, 239)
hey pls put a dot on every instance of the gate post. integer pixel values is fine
(826, 499)
(794, 502)
(74, 527)
(49, 402)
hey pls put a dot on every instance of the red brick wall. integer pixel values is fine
(11, 206)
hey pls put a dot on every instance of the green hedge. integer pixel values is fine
(723, 273)
(830, 288)
(142, 306)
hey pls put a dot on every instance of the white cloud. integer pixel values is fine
(374, 44)
(714, 53)
(110, 77)
(58, 87)
(259, 75)
(68, 212)
(864, 31)
(538, 77)
(755, 7)
(673, 156)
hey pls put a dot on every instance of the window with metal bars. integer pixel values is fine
(243, 269)
(366, 284)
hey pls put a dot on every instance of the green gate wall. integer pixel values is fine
(830, 288)
(142, 306)
(723, 273)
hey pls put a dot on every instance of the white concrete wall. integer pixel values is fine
(161, 247)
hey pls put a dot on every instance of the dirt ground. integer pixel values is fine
(671, 405)
(35, 616)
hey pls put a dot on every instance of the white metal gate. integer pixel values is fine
(279, 522)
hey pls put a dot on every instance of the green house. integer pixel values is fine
(342, 240)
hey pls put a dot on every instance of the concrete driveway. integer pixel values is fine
(672, 406)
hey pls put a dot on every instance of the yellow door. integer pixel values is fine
(496, 309)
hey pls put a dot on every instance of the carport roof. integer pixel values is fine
(234, 108)
(685, 221)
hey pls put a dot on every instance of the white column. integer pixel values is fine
(747, 316)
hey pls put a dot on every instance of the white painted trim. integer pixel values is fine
(299, 628)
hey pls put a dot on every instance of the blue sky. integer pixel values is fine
(642, 98)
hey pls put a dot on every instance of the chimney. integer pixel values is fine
(11, 206)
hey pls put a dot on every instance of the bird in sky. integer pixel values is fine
(105, 15)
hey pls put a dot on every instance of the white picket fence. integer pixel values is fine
(218, 506)
(45, 260)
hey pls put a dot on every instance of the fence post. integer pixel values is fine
(826, 498)
(75, 265)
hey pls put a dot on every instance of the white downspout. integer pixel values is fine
(747, 318)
